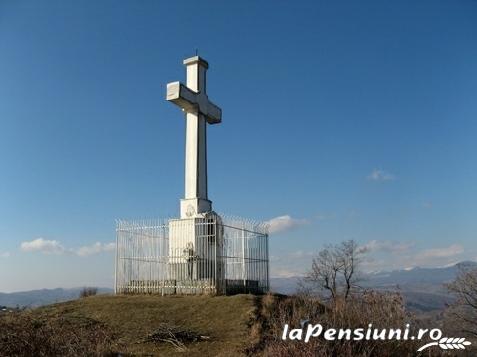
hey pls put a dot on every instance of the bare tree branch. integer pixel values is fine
(335, 269)
(465, 289)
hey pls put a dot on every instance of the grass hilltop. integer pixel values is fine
(134, 325)
(240, 325)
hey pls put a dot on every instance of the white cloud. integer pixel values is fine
(290, 264)
(450, 251)
(427, 204)
(300, 254)
(380, 175)
(388, 256)
(95, 248)
(284, 223)
(388, 246)
(5, 255)
(382, 255)
(54, 247)
(279, 272)
(43, 246)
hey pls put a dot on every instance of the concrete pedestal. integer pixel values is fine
(195, 252)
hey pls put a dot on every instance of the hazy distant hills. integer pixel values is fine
(423, 288)
(417, 276)
(34, 298)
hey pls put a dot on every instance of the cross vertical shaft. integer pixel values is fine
(195, 157)
(196, 136)
(193, 99)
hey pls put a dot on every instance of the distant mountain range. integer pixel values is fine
(35, 298)
(423, 289)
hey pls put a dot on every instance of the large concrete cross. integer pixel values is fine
(193, 100)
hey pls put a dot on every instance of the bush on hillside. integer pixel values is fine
(88, 291)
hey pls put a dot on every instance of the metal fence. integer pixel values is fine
(203, 255)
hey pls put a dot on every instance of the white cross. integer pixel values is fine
(199, 111)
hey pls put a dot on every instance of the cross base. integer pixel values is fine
(191, 207)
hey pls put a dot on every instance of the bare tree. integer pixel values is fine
(335, 269)
(465, 308)
(350, 256)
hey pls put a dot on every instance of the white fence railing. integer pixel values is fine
(210, 255)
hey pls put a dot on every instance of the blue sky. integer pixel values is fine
(344, 119)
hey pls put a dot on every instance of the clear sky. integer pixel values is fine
(344, 119)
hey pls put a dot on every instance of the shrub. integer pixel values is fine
(88, 291)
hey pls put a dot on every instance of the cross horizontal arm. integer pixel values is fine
(191, 101)
(182, 96)
(214, 114)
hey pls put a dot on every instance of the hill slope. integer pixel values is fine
(224, 320)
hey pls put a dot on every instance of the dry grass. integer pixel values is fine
(199, 326)
(122, 324)
(383, 310)
(29, 334)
